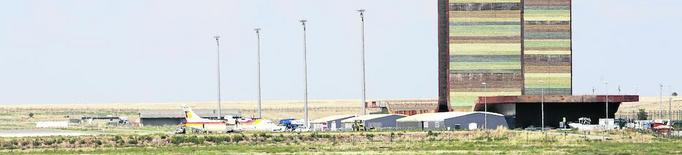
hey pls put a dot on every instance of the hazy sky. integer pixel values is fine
(93, 51)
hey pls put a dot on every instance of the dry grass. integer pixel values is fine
(16, 116)
(652, 103)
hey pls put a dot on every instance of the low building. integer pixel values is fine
(329, 123)
(525, 111)
(451, 121)
(177, 116)
(373, 121)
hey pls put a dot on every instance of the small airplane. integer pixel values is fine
(196, 124)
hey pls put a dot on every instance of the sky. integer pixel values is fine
(102, 51)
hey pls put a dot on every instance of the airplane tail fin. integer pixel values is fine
(190, 116)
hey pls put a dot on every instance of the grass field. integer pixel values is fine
(385, 142)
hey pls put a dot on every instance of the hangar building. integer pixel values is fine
(451, 121)
(329, 123)
(373, 121)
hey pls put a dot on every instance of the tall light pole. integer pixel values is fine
(606, 91)
(542, 105)
(260, 99)
(485, 105)
(217, 41)
(305, 72)
(364, 91)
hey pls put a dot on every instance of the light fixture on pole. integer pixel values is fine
(485, 106)
(220, 108)
(364, 86)
(305, 71)
(260, 99)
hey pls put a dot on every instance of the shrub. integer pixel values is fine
(369, 136)
(279, 138)
(36, 143)
(177, 140)
(431, 133)
(132, 141)
(195, 139)
(98, 142)
(72, 141)
(237, 138)
(264, 135)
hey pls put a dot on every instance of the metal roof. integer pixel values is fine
(368, 117)
(441, 116)
(331, 118)
(178, 113)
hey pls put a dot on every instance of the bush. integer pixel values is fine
(279, 138)
(72, 141)
(132, 141)
(369, 136)
(177, 140)
(98, 142)
(36, 143)
(264, 135)
(237, 138)
(431, 133)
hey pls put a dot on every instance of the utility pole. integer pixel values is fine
(305, 71)
(220, 108)
(485, 106)
(364, 86)
(260, 99)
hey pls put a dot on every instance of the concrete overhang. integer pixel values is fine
(553, 99)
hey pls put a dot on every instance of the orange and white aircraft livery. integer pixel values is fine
(195, 123)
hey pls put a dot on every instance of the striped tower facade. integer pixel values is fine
(547, 47)
(516, 47)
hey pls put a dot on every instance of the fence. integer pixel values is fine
(652, 115)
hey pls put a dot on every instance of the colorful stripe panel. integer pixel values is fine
(484, 46)
(547, 47)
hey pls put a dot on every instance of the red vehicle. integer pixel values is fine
(662, 126)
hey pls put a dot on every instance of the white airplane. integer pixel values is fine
(259, 125)
(195, 123)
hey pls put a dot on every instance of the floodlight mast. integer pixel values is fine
(364, 85)
(220, 108)
(305, 71)
(260, 98)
